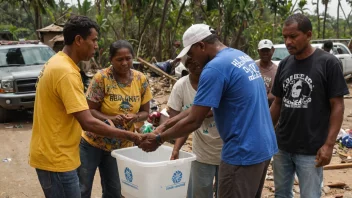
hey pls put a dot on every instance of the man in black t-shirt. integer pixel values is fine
(307, 110)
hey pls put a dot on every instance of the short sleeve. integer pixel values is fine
(96, 89)
(336, 82)
(277, 89)
(175, 99)
(210, 88)
(146, 93)
(70, 90)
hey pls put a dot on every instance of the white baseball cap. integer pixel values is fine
(265, 44)
(194, 34)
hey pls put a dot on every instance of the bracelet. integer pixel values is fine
(158, 139)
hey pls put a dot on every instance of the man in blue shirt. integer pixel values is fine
(232, 85)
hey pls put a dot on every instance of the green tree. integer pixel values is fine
(85, 7)
(39, 8)
(275, 6)
(301, 7)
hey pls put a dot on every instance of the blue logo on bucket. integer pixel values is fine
(128, 175)
(177, 177)
(129, 179)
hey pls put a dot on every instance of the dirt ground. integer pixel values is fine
(18, 179)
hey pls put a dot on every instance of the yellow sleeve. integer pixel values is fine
(146, 94)
(70, 91)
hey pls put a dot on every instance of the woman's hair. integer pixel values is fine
(117, 45)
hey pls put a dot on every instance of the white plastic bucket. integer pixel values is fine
(153, 175)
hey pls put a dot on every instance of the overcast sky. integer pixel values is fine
(332, 9)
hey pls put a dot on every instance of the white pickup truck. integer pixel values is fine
(339, 50)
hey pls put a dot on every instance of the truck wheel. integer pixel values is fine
(4, 115)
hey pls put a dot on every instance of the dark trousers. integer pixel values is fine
(59, 184)
(242, 181)
(91, 159)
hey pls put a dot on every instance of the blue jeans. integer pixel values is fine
(201, 180)
(310, 178)
(59, 184)
(91, 159)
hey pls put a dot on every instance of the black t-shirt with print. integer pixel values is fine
(305, 87)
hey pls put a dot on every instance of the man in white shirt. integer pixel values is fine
(207, 143)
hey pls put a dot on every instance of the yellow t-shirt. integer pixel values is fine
(56, 133)
(116, 99)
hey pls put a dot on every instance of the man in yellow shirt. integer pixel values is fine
(61, 111)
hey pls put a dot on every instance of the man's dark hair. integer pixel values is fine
(303, 22)
(78, 25)
(328, 45)
(117, 45)
(211, 39)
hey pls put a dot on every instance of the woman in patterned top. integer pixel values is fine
(119, 96)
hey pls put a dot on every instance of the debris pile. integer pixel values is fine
(160, 86)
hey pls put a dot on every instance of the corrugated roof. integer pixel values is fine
(55, 39)
(51, 28)
(59, 37)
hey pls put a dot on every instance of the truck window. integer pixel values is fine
(25, 56)
(280, 54)
(341, 49)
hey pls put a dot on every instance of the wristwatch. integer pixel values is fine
(158, 139)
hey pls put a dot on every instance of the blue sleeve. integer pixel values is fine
(210, 88)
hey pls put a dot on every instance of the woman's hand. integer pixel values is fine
(130, 118)
(117, 120)
(136, 138)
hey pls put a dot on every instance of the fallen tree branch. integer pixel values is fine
(157, 70)
(338, 166)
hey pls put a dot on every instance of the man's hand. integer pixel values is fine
(324, 155)
(174, 155)
(149, 142)
(160, 129)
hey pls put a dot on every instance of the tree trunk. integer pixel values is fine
(161, 27)
(338, 19)
(97, 3)
(147, 18)
(172, 49)
(197, 12)
(274, 25)
(326, 9)
(124, 20)
(29, 14)
(139, 17)
(221, 17)
(347, 18)
(179, 15)
(238, 36)
(318, 15)
(261, 8)
(293, 7)
(37, 18)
